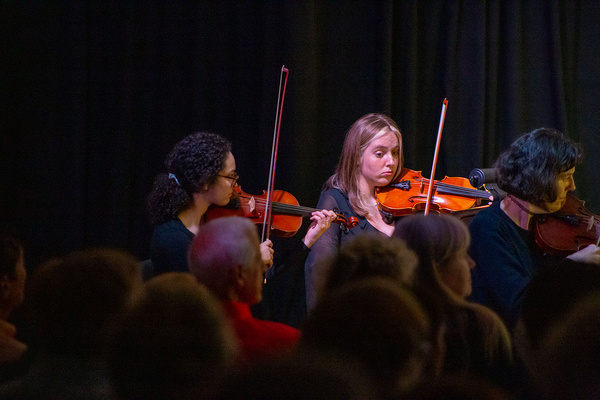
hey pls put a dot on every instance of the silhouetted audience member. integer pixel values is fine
(570, 354)
(303, 376)
(367, 256)
(370, 256)
(12, 287)
(171, 343)
(551, 294)
(225, 256)
(477, 342)
(71, 302)
(377, 324)
(464, 387)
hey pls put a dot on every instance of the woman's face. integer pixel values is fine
(221, 190)
(380, 160)
(456, 275)
(564, 185)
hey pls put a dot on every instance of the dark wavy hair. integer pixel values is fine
(531, 165)
(194, 162)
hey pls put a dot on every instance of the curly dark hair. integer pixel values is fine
(530, 167)
(194, 162)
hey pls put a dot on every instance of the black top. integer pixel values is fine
(171, 241)
(506, 258)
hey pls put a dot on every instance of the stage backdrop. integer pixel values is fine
(93, 95)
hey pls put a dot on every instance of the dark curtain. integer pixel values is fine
(93, 95)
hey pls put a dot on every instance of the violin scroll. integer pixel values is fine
(345, 223)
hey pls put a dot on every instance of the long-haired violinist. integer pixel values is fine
(371, 157)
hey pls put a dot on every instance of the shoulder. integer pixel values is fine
(335, 193)
(171, 230)
(488, 321)
(174, 224)
(492, 214)
(334, 199)
(492, 221)
(337, 198)
(279, 329)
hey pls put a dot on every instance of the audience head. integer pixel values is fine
(569, 354)
(12, 274)
(531, 165)
(376, 323)
(73, 300)
(302, 376)
(171, 342)
(552, 293)
(225, 256)
(192, 167)
(360, 135)
(441, 243)
(465, 387)
(367, 256)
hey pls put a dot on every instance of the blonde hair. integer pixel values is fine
(436, 239)
(360, 135)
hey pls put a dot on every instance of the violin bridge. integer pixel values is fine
(252, 205)
(591, 223)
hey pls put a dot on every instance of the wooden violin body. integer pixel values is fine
(286, 212)
(409, 194)
(568, 230)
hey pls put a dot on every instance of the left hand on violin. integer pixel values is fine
(572, 231)
(321, 220)
(588, 255)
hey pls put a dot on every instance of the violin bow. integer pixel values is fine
(269, 202)
(435, 156)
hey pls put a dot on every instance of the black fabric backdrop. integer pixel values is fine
(94, 94)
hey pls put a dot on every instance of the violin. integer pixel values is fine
(568, 230)
(409, 194)
(286, 212)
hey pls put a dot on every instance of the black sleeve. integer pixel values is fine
(327, 244)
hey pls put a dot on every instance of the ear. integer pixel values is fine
(239, 276)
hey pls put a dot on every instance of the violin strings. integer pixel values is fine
(458, 190)
(284, 207)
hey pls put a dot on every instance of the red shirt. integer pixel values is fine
(259, 339)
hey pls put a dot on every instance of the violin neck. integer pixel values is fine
(461, 191)
(291, 209)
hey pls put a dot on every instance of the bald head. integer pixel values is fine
(225, 256)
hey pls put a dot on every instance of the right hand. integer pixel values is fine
(266, 253)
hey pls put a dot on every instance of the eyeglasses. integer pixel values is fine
(234, 178)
